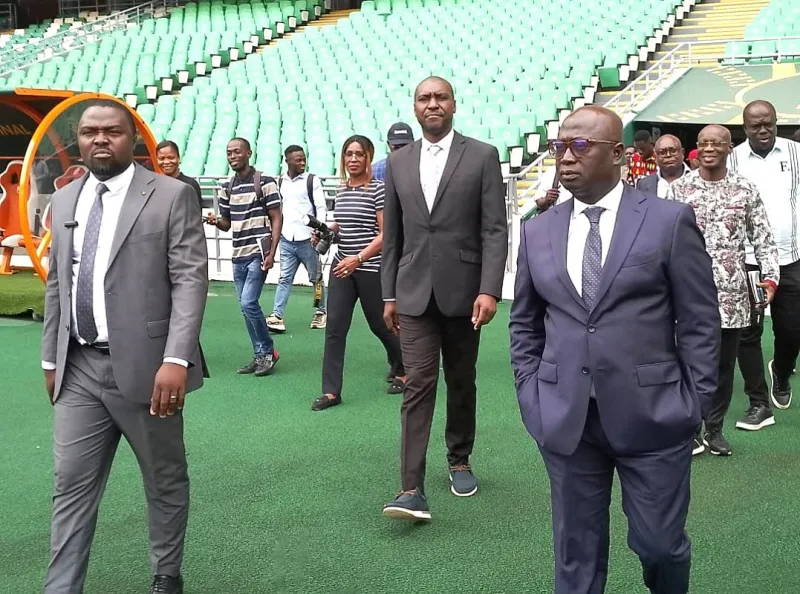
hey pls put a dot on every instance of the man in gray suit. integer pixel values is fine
(126, 291)
(445, 243)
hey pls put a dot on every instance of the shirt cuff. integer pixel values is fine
(176, 361)
(48, 366)
(389, 300)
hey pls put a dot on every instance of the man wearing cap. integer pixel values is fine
(400, 134)
(694, 160)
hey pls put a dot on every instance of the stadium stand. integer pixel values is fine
(322, 84)
(47, 28)
(779, 19)
(325, 83)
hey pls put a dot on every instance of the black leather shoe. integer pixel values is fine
(166, 584)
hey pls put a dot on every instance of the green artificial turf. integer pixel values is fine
(288, 500)
(20, 293)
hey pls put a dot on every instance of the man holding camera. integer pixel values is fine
(302, 196)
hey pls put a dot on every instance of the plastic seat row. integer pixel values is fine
(511, 77)
(773, 35)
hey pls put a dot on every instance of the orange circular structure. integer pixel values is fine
(35, 246)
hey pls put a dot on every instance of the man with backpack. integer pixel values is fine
(302, 195)
(251, 209)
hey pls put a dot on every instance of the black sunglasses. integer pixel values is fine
(578, 146)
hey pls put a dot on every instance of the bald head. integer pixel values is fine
(668, 140)
(590, 170)
(716, 131)
(599, 119)
(759, 105)
(713, 147)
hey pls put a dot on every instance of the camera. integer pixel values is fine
(327, 236)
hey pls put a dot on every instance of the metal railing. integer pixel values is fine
(40, 49)
(222, 241)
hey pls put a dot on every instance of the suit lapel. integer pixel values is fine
(70, 197)
(629, 220)
(456, 151)
(416, 151)
(559, 232)
(139, 193)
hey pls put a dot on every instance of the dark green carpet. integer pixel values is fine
(286, 500)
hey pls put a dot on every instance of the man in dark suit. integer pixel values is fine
(614, 344)
(126, 292)
(671, 166)
(445, 243)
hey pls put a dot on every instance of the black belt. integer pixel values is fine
(100, 347)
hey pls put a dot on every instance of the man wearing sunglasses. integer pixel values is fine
(614, 345)
(730, 215)
(671, 166)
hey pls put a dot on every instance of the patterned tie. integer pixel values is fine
(592, 256)
(84, 299)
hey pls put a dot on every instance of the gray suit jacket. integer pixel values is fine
(459, 248)
(648, 184)
(156, 283)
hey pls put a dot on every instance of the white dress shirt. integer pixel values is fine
(112, 205)
(297, 202)
(663, 185)
(431, 165)
(777, 177)
(579, 227)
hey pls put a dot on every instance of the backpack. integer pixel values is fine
(309, 191)
(257, 184)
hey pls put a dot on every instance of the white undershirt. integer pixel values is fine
(431, 166)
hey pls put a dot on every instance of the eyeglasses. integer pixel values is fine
(668, 151)
(578, 146)
(712, 144)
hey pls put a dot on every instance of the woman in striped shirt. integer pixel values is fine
(356, 275)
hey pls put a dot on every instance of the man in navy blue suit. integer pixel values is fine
(615, 335)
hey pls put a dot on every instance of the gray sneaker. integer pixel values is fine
(462, 482)
(408, 505)
(265, 364)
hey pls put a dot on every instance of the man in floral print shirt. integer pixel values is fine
(729, 212)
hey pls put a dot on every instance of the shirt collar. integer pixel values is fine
(119, 182)
(301, 176)
(609, 202)
(686, 170)
(780, 145)
(444, 143)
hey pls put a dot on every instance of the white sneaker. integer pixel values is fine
(275, 324)
(319, 321)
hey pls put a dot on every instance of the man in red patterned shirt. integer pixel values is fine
(643, 162)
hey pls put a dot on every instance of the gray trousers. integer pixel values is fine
(90, 417)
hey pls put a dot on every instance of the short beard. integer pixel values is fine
(104, 172)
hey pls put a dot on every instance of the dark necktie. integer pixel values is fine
(592, 256)
(84, 299)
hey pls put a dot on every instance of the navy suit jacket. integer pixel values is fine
(650, 345)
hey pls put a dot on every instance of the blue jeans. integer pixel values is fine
(294, 253)
(249, 281)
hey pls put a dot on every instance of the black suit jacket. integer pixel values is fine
(648, 184)
(459, 248)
